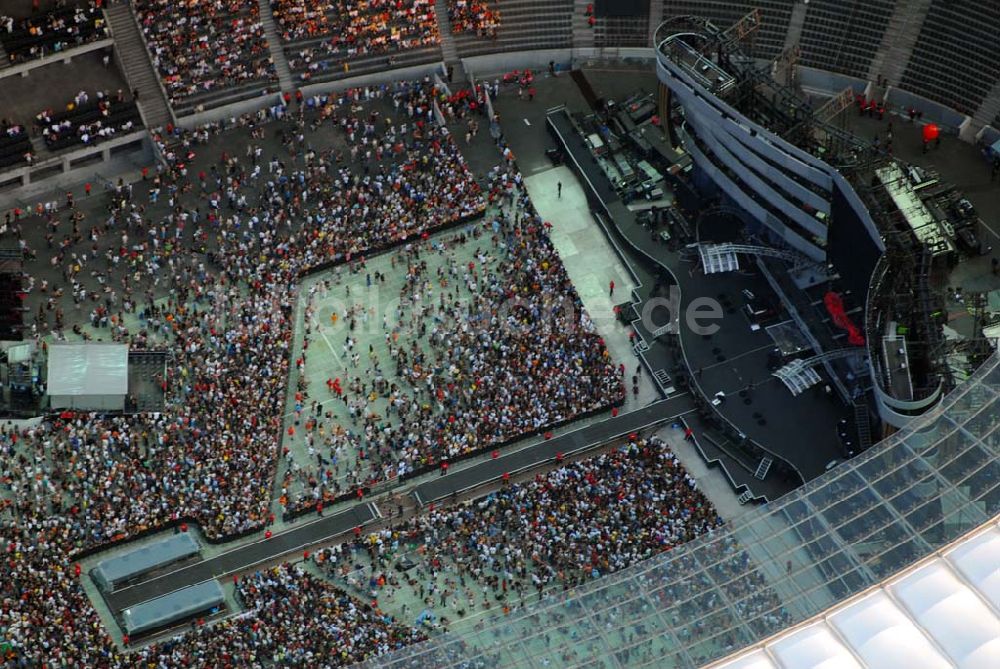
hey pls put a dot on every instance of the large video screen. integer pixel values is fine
(853, 246)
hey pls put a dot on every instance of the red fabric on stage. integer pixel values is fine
(835, 307)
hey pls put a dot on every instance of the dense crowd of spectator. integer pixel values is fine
(293, 619)
(480, 353)
(304, 19)
(706, 597)
(349, 31)
(475, 17)
(205, 45)
(15, 143)
(574, 523)
(224, 240)
(81, 480)
(88, 121)
(62, 28)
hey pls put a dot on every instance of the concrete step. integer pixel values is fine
(285, 79)
(989, 110)
(138, 66)
(449, 49)
(38, 147)
(583, 33)
(898, 41)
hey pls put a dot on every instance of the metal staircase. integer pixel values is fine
(130, 48)
(448, 49)
(864, 426)
(284, 72)
(640, 346)
(898, 40)
(799, 375)
(763, 468)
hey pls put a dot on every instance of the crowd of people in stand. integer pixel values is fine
(88, 121)
(82, 480)
(10, 129)
(304, 19)
(462, 564)
(475, 17)
(293, 619)
(15, 144)
(41, 34)
(204, 258)
(577, 522)
(705, 596)
(485, 345)
(351, 31)
(205, 45)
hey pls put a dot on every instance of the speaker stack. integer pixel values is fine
(11, 295)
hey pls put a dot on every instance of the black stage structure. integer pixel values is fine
(749, 429)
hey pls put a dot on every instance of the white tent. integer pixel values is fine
(88, 376)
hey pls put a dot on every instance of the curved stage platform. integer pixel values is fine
(733, 361)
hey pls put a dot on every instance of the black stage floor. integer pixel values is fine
(734, 359)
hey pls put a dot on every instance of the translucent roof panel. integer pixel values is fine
(88, 369)
(978, 560)
(884, 636)
(953, 614)
(757, 659)
(813, 647)
(114, 571)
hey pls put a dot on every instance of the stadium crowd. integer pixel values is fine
(293, 619)
(205, 45)
(290, 619)
(705, 596)
(41, 34)
(577, 522)
(475, 17)
(303, 19)
(350, 31)
(478, 354)
(76, 481)
(88, 121)
(224, 237)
